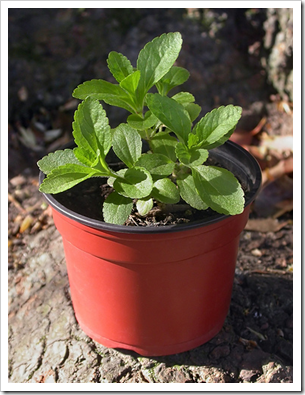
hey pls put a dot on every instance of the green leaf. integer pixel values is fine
(117, 208)
(119, 66)
(183, 153)
(155, 60)
(130, 83)
(165, 144)
(103, 132)
(127, 144)
(189, 193)
(166, 191)
(139, 123)
(174, 77)
(191, 157)
(144, 205)
(187, 100)
(217, 126)
(219, 189)
(193, 110)
(198, 156)
(86, 157)
(103, 90)
(94, 161)
(119, 173)
(184, 97)
(156, 164)
(56, 159)
(192, 140)
(136, 183)
(65, 177)
(91, 128)
(171, 113)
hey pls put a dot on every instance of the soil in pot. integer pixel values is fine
(87, 199)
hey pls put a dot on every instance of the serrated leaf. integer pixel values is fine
(171, 113)
(103, 133)
(94, 161)
(174, 77)
(119, 66)
(219, 189)
(127, 144)
(189, 193)
(103, 90)
(166, 191)
(144, 206)
(65, 177)
(156, 164)
(56, 159)
(91, 130)
(86, 157)
(165, 144)
(137, 183)
(191, 157)
(187, 100)
(217, 126)
(117, 208)
(155, 60)
(138, 123)
(130, 83)
(183, 153)
(192, 140)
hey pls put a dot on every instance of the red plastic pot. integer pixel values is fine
(156, 291)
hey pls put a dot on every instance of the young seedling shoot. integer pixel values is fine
(174, 166)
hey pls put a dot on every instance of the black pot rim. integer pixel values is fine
(240, 152)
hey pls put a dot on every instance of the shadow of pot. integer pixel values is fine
(156, 290)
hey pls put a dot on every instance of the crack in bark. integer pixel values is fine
(40, 358)
(123, 373)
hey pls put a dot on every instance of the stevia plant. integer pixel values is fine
(174, 167)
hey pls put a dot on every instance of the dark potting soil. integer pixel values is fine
(87, 199)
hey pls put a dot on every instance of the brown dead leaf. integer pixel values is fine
(265, 225)
(16, 204)
(36, 227)
(69, 105)
(26, 223)
(285, 206)
(249, 344)
(18, 180)
(18, 219)
(282, 167)
(35, 182)
(268, 202)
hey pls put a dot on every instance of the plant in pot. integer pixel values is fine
(151, 285)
